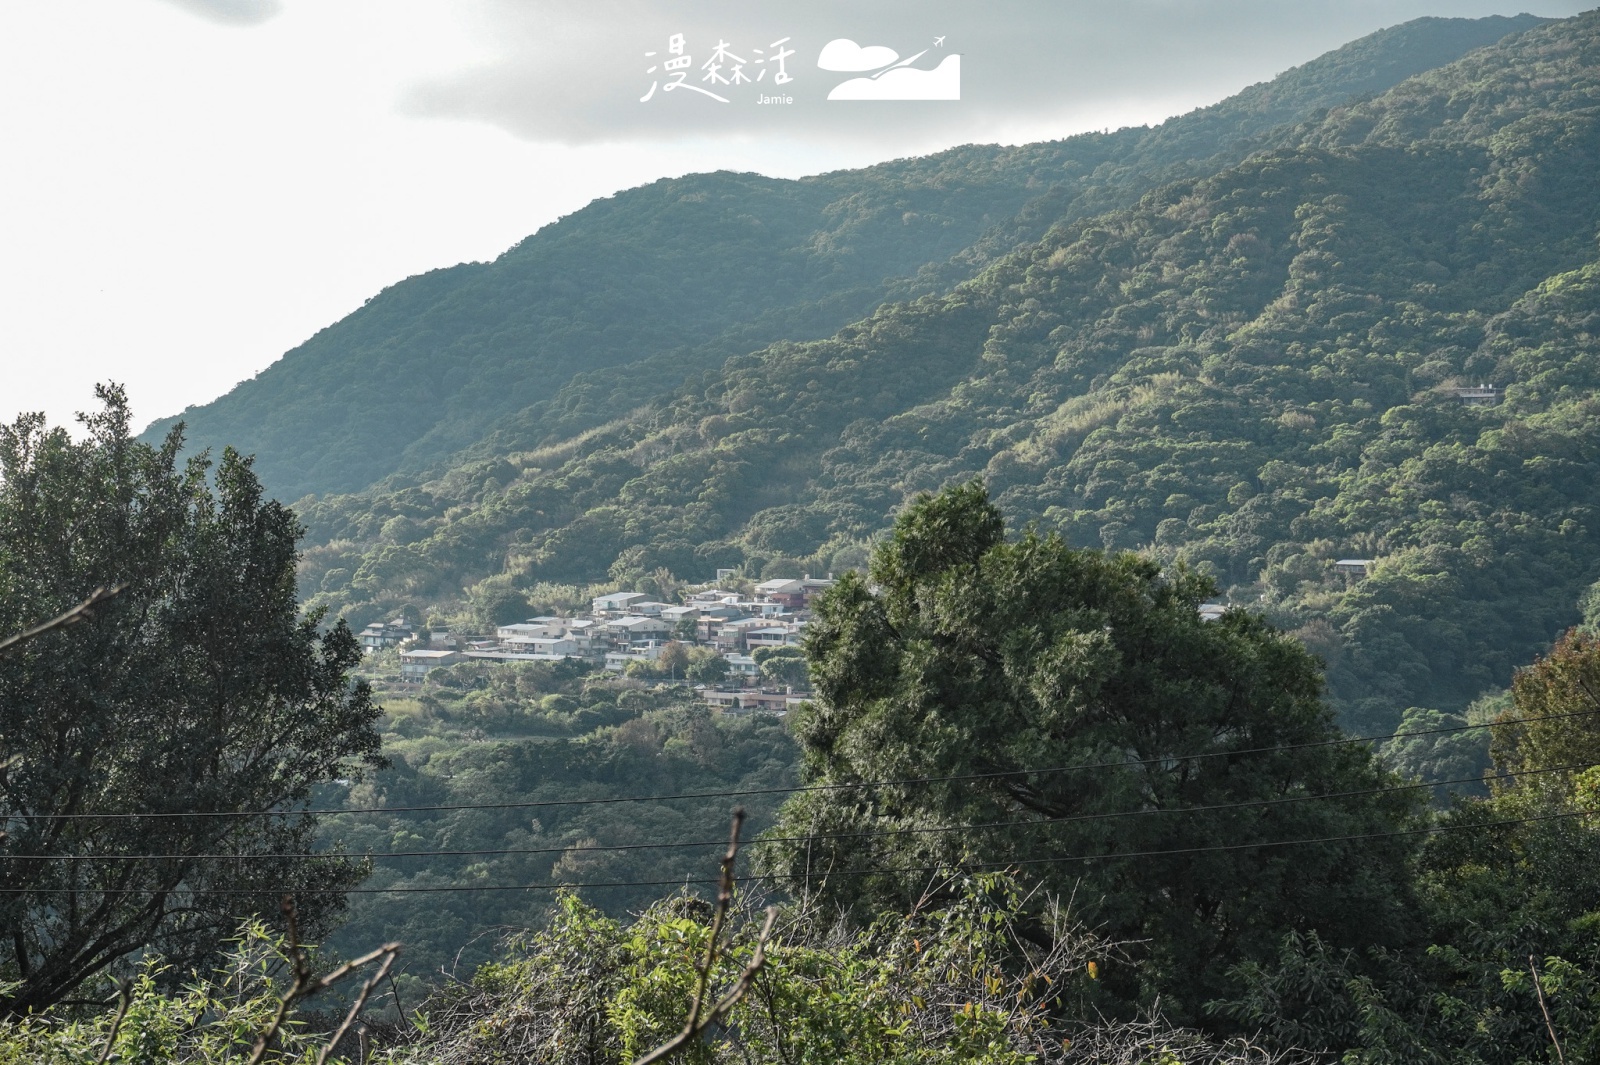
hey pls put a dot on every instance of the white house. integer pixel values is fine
(414, 665)
(616, 602)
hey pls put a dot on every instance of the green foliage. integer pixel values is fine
(969, 655)
(215, 1015)
(1553, 734)
(1252, 371)
(783, 665)
(198, 689)
(986, 978)
(1508, 887)
(1461, 756)
(536, 732)
(611, 307)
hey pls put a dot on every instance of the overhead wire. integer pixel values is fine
(993, 865)
(781, 790)
(1104, 815)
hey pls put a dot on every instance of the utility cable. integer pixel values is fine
(786, 790)
(1106, 815)
(880, 871)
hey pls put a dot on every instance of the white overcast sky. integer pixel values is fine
(188, 188)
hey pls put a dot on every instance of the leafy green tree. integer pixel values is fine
(1554, 723)
(706, 666)
(673, 659)
(496, 601)
(783, 665)
(1460, 756)
(965, 654)
(1508, 892)
(197, 690)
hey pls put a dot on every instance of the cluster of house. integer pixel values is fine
(629, 627)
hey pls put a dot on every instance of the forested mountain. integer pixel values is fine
(1255, 372)
(613, 306)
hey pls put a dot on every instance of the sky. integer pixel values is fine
(190, 188)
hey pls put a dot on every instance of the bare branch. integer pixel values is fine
(125, 993)
(306, 984)
(82, 612)
(1538, 989)
(701, 1018)
(355, 1007)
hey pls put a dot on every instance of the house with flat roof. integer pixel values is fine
(381, 634)
(414, 665)
(616, 602)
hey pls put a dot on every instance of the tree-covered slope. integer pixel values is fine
(1254, 372)
(613, 306)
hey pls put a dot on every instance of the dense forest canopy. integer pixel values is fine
(1257, 372)
(615, 305)
(1148, 460)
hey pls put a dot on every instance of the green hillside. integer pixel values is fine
(613, 306)
(1254, 372)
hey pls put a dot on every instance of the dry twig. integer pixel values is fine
(701, 1018)
(1538, 989)
(306, 983)
(82, 612)
(125, 993)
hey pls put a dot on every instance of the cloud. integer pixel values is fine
(844, 54)
(575, 71)
(906, 83)
(232, 12)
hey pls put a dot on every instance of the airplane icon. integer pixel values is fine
(938, 42)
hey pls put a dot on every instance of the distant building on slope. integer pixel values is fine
(1478, 396)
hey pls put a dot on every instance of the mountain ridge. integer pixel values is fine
(1253, 372)
(519, 352)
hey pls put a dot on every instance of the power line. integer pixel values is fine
(952, 867)
(786, 790)
(923, 830)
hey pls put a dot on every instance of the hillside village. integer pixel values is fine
(624, 628)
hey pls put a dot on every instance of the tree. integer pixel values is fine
(673, 659)
(964, 654)
(706, 666)
(686, 630)
(1554, 723)
(196, 691)
(783, 665)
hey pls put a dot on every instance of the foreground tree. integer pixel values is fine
(196, 691)
(963, 654)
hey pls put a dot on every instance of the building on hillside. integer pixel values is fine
(617, 661)
(746, 701)
(501, 654)
(742, 667)
(414, 665)
(532, 629)
(1353, 567)
(811, 587)
(632, 630)
(382, 634)
(730, 636)
(1212, 611)
(1478, 396)
(788, 591)
(616, 602)
(772, 636)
